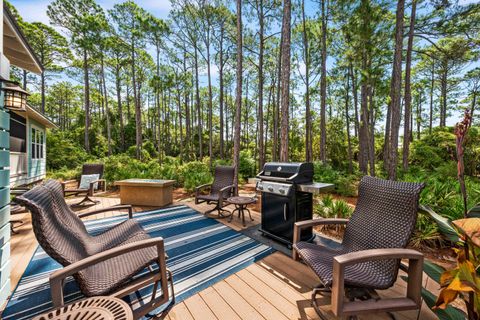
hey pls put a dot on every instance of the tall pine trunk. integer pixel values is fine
(107, 113)
(347, 120)
(42, 86)
(138, 109)
(308, 114)
(323, 87)
(443, 89)
(432, 88)
(395, 94)
(407, 130)
(199, 109)
(285, 81)
(238, 96)
(221, 97)
(261, 150)
(87, 100)
(120, 108)
(210, 107)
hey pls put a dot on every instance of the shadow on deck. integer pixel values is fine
(274, 288)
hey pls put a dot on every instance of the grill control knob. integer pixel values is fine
(270, 188)
(282, 191)
(260, 186)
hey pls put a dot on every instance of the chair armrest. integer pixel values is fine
(299, 226)
(200, 189)
(18, 191)
(114, 208)
(58, 277)
(203, 186)
(321, 221)
(68, 181)
(230, 187)
(415, 270)
(91, 188)
(64, 185)
(222, 191)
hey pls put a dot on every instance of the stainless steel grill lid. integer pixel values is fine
(287, 172)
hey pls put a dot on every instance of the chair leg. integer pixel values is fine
(12, 226)
(84, 200)
(220, 212)
(319, 290)
(164, 312)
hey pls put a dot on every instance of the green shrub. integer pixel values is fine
(246, 168)
(63, 152)
(132, 152)
(327, 207)
(325, 173)
(64, 174)
(193, 174)
(347, 185)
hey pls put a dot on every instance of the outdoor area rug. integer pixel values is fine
(201, 252)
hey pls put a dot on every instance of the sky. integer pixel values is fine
(35, 10)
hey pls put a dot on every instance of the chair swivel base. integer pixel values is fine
(220, 213)
(84, 201)
(351, 293)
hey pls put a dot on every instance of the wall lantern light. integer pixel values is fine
(15, 98)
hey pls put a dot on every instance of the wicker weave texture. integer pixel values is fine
(64, 237)
(384, 217)
(224, 176)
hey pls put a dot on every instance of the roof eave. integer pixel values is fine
(16, 47)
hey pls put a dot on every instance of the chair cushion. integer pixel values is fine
(86, 179)
(105, 277)
(366, 275)
(208, 197)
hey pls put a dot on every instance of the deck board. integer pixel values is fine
(274, 288)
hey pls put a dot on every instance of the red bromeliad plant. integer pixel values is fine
(463, 280)
(461, 130)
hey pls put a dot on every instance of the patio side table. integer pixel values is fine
(98, 308)
(241, 204)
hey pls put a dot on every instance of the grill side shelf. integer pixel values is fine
(315, 187)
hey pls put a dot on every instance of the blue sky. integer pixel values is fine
(36, 10)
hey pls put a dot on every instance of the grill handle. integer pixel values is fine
(285, 211)
(278, 179)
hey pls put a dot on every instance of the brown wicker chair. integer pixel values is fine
(220, 190)
(369, 257)
(104, 264)
(87, 169)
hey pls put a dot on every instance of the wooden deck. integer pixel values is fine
(274, 288)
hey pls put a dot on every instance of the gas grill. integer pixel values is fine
(287, 192)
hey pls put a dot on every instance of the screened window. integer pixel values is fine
(18, 133)
(38, 144)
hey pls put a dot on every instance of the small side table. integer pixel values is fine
(98, 308)
(241, 204)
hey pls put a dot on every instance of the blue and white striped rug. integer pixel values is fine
(201, 252)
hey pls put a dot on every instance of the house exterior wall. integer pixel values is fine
(37, 168)
(4, 179)
(24, 169)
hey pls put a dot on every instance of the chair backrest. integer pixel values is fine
(384, 217)
(57, 228)
(224, 176)
(93, 168)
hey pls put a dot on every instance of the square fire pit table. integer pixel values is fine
(145, 192)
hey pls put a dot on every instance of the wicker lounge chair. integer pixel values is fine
(104, 264)
(87, 169)
(369, 256)
(220, 190)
